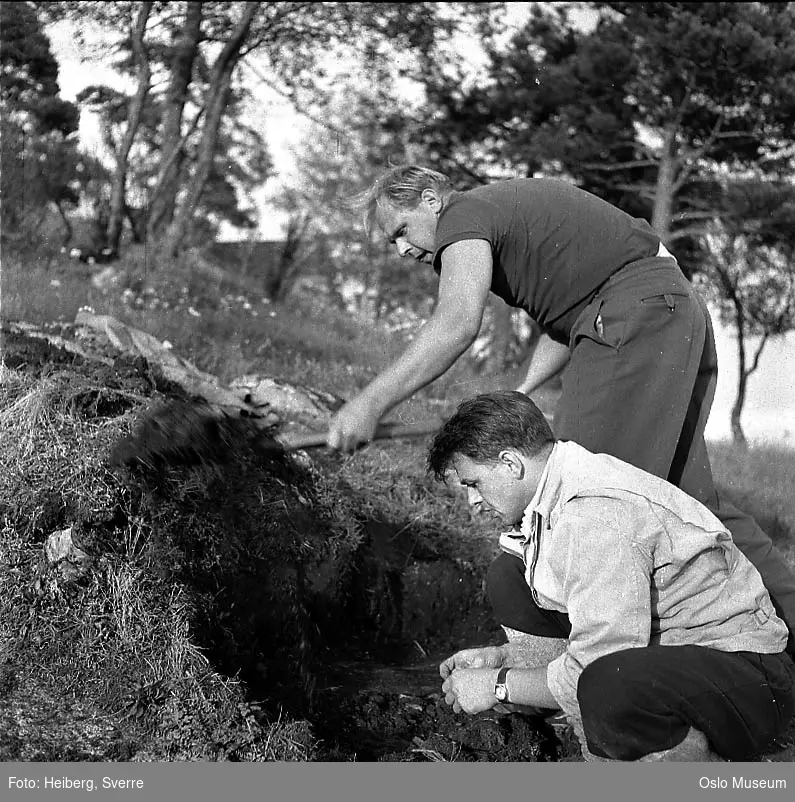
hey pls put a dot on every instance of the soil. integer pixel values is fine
(371, 712)
(379, 698)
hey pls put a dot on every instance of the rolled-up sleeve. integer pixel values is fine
(606, 581)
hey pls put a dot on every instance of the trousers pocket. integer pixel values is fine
(669, 300)
(596, 323)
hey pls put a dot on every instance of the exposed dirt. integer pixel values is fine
(397, 713)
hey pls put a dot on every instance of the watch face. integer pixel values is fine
(501, 692)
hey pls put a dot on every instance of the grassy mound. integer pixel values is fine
(127, 643)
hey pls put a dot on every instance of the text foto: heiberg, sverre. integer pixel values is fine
(68, 782)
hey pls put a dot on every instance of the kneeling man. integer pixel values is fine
(630, 608)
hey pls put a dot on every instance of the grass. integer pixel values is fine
(229, 332)
(759, 481)
(117, 646)
(129, 640)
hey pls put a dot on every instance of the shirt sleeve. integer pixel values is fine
(606, 581)
(466, 219)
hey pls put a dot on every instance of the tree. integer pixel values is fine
(39, 150)
(215, 104)
(750, 273)
(118, 192)
(161, 165)
(182, 56)
(652, 109)
(345, 148)
(364, 127)
(191, 91)
(644, 110)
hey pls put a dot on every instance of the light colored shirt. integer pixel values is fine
(634, 561)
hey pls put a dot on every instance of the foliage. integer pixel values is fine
(751, 267)
(39, 152)
(749, 273)
(365, 127)
(180, 124)
(336, 160)
(643, 110)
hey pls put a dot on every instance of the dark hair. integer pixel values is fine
(485, 425)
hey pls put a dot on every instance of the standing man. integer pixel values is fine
(672, 648)
(631, 334)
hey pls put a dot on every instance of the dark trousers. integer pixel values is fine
(640, 384)
(637, 701)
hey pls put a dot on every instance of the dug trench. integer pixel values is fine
(322, 608)
(329, 615)
(371, 683)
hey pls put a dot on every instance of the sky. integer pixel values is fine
(770, 407)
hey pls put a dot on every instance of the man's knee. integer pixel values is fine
(622, 717)
(603, 692)
(607, 703)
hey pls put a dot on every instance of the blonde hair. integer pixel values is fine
(400, 187)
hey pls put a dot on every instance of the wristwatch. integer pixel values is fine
(500, 688)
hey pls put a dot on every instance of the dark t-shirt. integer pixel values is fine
(553, 244)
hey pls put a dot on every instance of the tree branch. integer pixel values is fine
(758, 354)
(706, 215)
(688, 231)
(612, 168)
(296, 104)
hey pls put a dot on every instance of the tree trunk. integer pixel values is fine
(742, 382)
(69, 233)
(665, 189)
(119, 182)
(164, 197)
(283, 272)
(217, 99)
(739, 403)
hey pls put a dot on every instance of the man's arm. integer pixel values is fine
(607, 588)
(472, 689)
(548, 359)
(464, 286)
(605, 576)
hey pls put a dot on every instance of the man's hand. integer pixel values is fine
(353, 424)
(471, 689)
(485, 657)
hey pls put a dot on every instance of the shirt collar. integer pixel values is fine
(547, 493)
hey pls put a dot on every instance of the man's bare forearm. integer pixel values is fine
(549, 358)
(434, 350)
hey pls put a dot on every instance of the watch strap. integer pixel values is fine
(500, 683)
